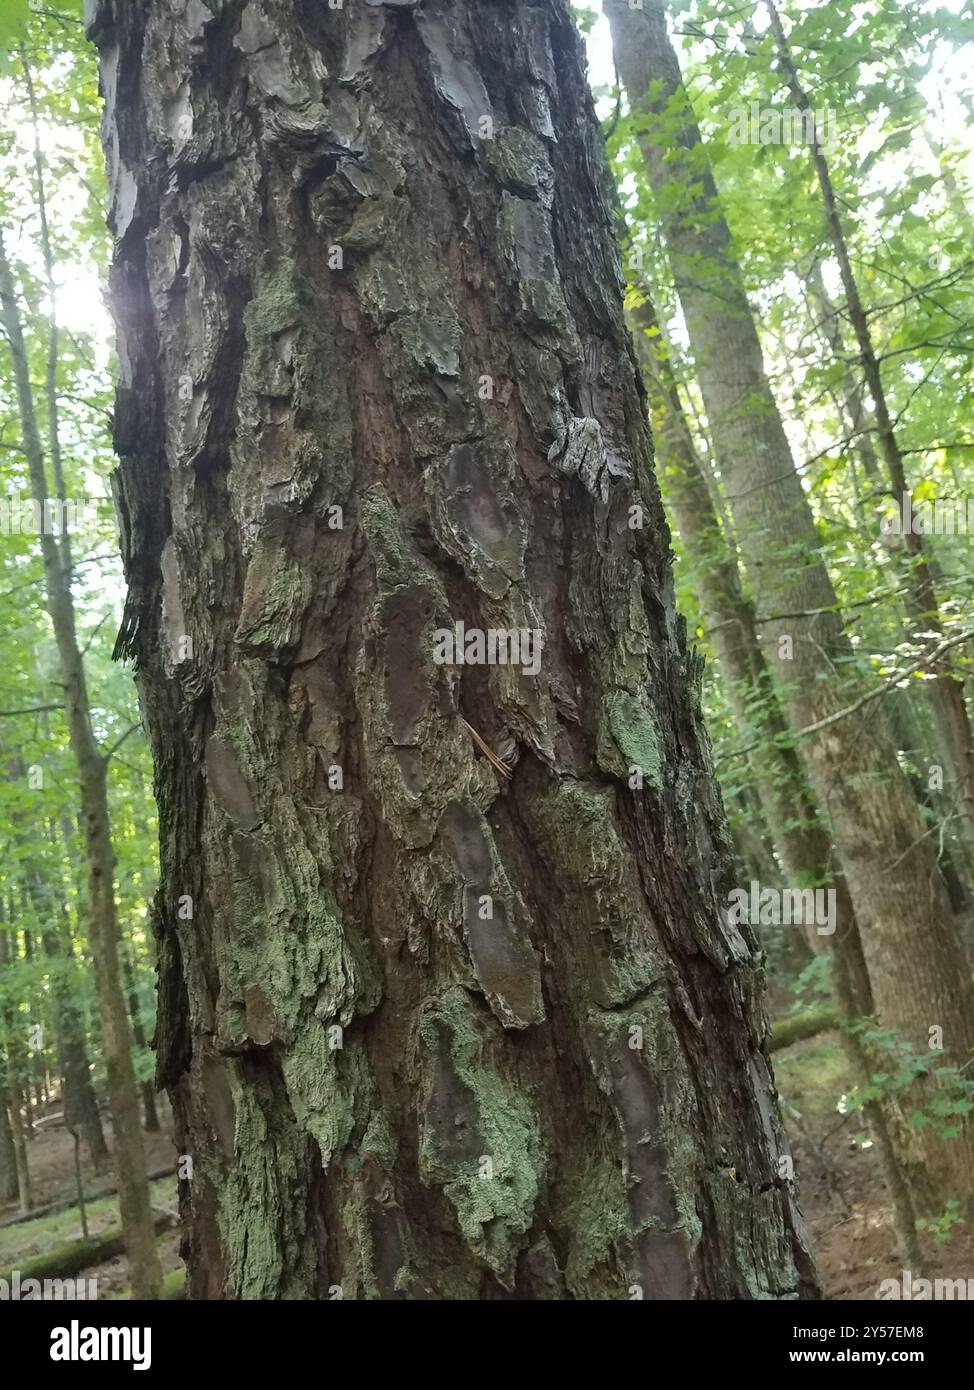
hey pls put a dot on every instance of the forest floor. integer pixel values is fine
(841, 1188)
(840, 1184)
(50, 1158)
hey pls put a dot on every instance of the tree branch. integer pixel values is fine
(29, 709)
(106, 757)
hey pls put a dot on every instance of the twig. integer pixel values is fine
(106, 757)
(929, 658)
(30, 709)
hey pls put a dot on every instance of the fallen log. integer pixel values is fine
(796, 1027)
(68, 1260)
(173, 1288)
(64, 1203)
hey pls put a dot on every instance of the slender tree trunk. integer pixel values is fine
(138, 1033)
(448, 934)
(9, 1189)
(955, 196)
(14, 1073)
(80, 1105)
(22, 1057)
(84, 1104)
(51, 399)
(753, 846)
(946, 692)
(84, 1107)
(802, 844)
(850, 406)
(917, 972)
(137, 1220)
(19, 1128)
(903, 719)
(801, 841)
(77, 1092)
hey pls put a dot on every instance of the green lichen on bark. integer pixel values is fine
(330, 1088)
(420, 757)
(628, 738)
(296, 424)
(660, 1060)
(269, 1250)
(581, 828)
(394, 556)
(279, 301)
(295, 949)
(594, 1209)
(277, 592)
(518, 160)
(370, 1211)
(432, 341)
(494, 1192)
(291, 968)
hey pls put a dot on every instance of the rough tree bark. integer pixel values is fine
(448, 1007)
(917, 972)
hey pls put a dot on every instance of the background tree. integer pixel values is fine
(918, 977)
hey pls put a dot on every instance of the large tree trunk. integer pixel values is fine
(917, 972)
(434, 1023)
